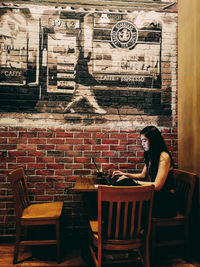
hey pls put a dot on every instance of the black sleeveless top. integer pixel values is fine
(164, 205)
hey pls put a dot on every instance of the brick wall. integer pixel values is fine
(54, 158)
(124, 88)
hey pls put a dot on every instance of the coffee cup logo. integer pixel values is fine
(124, 34)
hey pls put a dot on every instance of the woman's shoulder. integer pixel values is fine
(164, 156)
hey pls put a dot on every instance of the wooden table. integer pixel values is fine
(85, 184)
(86, 187)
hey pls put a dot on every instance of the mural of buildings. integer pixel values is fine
(103, 63)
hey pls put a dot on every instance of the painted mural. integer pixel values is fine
(66, 61)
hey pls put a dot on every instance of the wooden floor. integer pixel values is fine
(73, 258)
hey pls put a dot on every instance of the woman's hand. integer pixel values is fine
(117, 173)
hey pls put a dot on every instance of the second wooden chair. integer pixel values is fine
(28, 214)
(124, 223)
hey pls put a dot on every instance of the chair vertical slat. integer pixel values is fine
(117, 220)
(21, 194)
(139, 218)
(110, 219)
(125, 220)
(23, 198)
(132, 220)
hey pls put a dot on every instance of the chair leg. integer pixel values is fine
(187, 242)
(17, 243)
(99, 254)
(147, 261)
(58, 240)
(153, 242)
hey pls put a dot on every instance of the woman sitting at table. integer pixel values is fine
(158, 170)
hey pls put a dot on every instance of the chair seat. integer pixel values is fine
(178, 219)
(94, 226)
(46, 211)
(130, 243)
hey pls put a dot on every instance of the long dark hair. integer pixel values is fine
(156, 146)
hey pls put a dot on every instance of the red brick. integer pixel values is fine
(101, 135)
(36, 166)
(17, 153)
(55, 166)
(110, 141)
(3, 140)
(63, 160)
(82, 135)
(6, 159)
(16, 165)
(36, 191)
(73, 166)
(89, 141)
(63, 147)
(109, 153)
(70, 153)
(55, 141)
(46, 134)
(118, 148)
(44, 159)
(37, 141)
(8, 147)
(17, 140)
(118, 135)
(60, 185)
(133, 136)
(25, 159)
(127, 154)
(44, 198)
(118, 160)
(135, 160)
(26, 147)
(27, 134)
(63, 172)
(44, 172)
(127, 142)
(36, 153)
(127, 166)
(100, 147)
(71, 179)
(82, 172)
(74, 141)
(63, 198)
(45, 147)
(64, 135)
(81, 160)
(139, 154)
(8, 134)
(134, 148)
(82, 147)
(43, 185)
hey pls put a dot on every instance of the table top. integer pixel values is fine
(85, 184)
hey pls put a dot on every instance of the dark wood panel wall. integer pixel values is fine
(188, 99)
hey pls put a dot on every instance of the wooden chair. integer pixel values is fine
(124, 222)
(32, 214)
(184, 188)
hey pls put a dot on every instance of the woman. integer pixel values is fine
(158, 170)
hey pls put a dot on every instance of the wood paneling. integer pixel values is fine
(189, 85)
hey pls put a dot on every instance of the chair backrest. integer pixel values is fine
(19, 188)
(124, 213)
(184, 188)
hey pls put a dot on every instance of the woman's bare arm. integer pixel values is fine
(141, 175)
(163, 169)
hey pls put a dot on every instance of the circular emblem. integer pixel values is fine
(124, 34)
